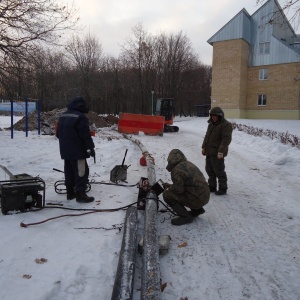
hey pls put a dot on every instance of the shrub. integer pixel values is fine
(285, 138)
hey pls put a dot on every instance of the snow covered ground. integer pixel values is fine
(246, 245)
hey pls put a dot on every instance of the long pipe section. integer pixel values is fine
(123, 286)
(151, 289)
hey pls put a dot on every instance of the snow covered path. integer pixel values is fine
(246, 245)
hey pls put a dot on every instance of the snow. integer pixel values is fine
(246, 245)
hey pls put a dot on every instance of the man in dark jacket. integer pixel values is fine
(76, 144)
(189, 188)
(215, 148)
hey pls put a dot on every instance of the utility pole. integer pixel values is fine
(152, 92)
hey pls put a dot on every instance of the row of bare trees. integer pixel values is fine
(26, 27)
(35, 64)
(148, 66)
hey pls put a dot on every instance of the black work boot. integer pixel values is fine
(70, 193)
(184, 216)
(83, 197)
(221, 192)
(196, 212)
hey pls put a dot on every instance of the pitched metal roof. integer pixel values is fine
(237, 28)
(258, 29)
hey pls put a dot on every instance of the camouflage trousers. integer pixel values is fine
(185, 199)
(215, 169)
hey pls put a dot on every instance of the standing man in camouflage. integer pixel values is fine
(215, 148)
(189, 188)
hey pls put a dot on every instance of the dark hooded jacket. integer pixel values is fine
(74, 132)
(218, 134)
(187, 179)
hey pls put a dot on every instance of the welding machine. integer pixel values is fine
(21, 193)
(144, 188)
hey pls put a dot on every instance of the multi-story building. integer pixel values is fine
(256, 66)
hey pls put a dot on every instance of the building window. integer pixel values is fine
(263, 74)
(262, 100)
(264, 48)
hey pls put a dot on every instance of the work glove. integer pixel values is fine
(203, 152)
(91, 152)
(166, 185)
(220, 155)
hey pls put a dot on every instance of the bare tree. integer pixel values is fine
(291, 9)
(138, 54)
(25, 22)
(45, 75)
(50, 79)
(180, 74)
(86, 55)
(165, 64)
(25, 25)
(112, 86)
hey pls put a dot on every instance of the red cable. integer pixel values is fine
(67, 215)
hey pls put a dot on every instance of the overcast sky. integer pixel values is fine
(111, 21)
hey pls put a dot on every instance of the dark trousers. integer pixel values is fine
(76, 174)
(215, 169)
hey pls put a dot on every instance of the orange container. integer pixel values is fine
(134, 123)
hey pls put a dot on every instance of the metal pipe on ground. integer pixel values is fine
(123, 286)
(150, 161)
(151, 289)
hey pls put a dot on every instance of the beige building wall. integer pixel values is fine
(229, 74)
(265, 114)
(281, 87)
(235, 87)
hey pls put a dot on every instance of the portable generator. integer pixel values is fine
(21, 193)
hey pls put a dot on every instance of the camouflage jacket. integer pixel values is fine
(218, 135)
(187, 178)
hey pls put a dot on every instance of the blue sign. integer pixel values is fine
(5, 105)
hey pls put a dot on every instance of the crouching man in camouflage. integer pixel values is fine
(189, 188)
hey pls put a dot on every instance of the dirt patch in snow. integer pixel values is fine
(49, 119)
